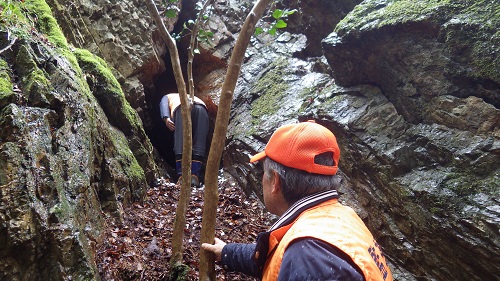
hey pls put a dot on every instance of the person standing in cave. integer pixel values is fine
(316, 237)
(171, 114)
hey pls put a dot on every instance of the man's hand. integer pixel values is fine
(216, 248)
(170, 124)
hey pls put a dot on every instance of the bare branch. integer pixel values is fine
(207, 267)
(172, 47)
(192, 44)
(187, 148)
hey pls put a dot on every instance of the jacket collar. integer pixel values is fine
(263, 239)
(301, 205)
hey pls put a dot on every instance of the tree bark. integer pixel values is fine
(207, 266)
(180, 215)
(192, 43)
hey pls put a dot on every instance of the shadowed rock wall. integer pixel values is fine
(411, 91)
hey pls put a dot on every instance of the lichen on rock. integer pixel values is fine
(270, 90)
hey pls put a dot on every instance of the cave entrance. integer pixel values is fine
(161, 137)
(205, 65)
(164, 83)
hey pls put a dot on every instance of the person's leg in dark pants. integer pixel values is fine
(178, 141)
(199, 117)
(200, 123)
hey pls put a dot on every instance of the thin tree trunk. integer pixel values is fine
(192, 43)
(207, 266)
(180, 215)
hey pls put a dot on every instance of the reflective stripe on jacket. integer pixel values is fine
(337, 225)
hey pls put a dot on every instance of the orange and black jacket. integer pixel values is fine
(316, 239)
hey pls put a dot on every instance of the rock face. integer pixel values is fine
(411, 89)
(72, 150)
(119, 32)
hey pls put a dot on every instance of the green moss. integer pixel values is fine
(335, 98)
(5, 83)
(310, 95)
(13, 19)
(34, 82)
(371, 14)
(110, 95)
(45, 22)
(20, 16)
(97, 66)
(485, 13)
(464, 184)
(60, 211)
(107, 89)
(129, 163)
(179, 272)
(24, 61)
(485, 17)
(271, 89)
(469, 26)
(31, 18)
(108, 92)
(37, 81)
(309, 92)
(68, 54)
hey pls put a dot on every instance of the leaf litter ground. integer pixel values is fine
(139, 248)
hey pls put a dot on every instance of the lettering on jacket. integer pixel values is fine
(378, 256)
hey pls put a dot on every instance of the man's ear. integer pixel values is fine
(276, 184)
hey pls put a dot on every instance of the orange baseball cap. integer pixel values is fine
(296, 145)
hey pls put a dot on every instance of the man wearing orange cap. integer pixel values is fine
(316, 237)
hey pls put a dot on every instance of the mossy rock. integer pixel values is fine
(108, 92)
(7, 94)
(270, 89)
(179, 272)
(468, 27)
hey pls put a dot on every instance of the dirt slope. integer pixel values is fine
(139, 249)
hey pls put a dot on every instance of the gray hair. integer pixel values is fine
(296, 183)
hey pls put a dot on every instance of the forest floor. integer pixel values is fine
(139, 248)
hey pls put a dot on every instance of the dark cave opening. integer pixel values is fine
(164, 83)
(161, 137)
